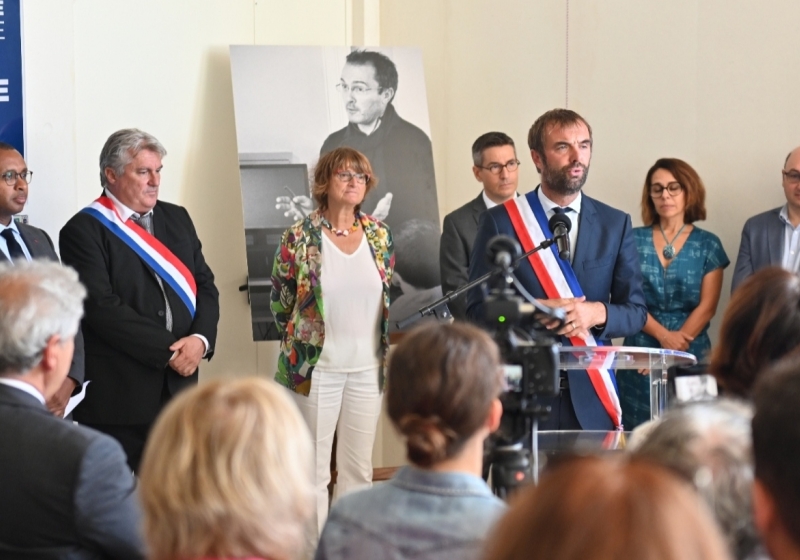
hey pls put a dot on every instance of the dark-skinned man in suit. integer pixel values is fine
(23, 241)
(496, 167)
(152, 309)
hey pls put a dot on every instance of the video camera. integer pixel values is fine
(531, 367)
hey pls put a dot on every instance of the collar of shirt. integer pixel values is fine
(22, 386)
(489, 202)
(124, 212)
(549, 205)
(18, 236)
(791, 242)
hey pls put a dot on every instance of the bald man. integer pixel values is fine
(773, 238)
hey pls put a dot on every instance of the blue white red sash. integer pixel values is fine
(152, 251)
(559, 281)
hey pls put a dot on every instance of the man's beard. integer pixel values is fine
(559, 180)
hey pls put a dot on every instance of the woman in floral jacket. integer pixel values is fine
(330, 299)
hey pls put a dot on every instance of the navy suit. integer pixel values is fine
(761, 245)
(606, 264)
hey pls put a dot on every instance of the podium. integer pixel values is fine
(656, 360)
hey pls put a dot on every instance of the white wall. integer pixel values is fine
(708, 81)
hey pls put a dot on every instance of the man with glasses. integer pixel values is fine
(19, 241)
(399, 152)
(773, 237)
(598, 285)
(495, 166)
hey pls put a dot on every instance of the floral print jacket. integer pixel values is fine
(296, 297)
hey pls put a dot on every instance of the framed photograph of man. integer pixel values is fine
(293, 104)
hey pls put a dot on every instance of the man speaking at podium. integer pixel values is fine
(598, 285)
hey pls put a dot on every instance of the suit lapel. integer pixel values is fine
(583, 246)
(775, 239)
(478, 206)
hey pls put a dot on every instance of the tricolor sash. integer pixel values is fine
(153, 252)
(558, 281)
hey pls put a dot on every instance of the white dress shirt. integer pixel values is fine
(791, 242)
(4, 245)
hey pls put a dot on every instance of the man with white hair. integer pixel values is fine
(152, 306)
(67, 491)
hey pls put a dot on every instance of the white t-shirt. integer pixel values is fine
(352, 297)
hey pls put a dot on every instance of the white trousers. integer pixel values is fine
(351, 404)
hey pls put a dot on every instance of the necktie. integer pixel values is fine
(560, 210)
(14, 248)
(146, 222)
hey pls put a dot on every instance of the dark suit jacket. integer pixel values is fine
(606, 264)
(458, 237)
(67, 490)
(761, 245)
(124, 326)
(40, 246)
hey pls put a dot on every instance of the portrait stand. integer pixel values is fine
(656, 360)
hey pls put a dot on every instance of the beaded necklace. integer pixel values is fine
(339, 232)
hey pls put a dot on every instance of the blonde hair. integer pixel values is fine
(227, 473)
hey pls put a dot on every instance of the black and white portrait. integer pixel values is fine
(293, 104)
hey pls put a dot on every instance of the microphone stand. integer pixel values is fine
(440, 305)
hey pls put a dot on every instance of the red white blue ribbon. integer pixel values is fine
(558, 281)
(153, 252)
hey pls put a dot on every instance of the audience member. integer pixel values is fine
(607, 509)
(26, 242)
(67, 491)
(709, 444)
(776, 448)
(442, 392)
(152, 309)
(496, 167)
(771, 238)
(682, 268)
(761, 325)
(227, 474)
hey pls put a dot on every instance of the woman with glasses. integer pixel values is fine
(682, 269)
(330, 299)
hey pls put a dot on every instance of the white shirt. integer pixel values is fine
(352, 298)
(4, 245)
(124, 214)
(574, 216)
(489, 202)
(22, 386)
(791, 242)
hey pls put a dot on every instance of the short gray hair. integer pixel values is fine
(122, 146)
(710, 444)
(38, 300)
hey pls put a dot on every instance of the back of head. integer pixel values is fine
(709, 444)
(761, 325)
(38, 300)
(227, 473)
(776, 440)
(607, 509)
(442, 381)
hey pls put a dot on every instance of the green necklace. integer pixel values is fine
(669, 248)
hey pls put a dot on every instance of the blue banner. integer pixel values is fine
(11, 126)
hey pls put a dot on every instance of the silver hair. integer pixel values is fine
(710, 444)
(38, 300)
(122, 146)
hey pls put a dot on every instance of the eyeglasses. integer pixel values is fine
(792, 177)
(11, 177)
(657, 190)
(356, 90)
(346, 177)
(497, 168)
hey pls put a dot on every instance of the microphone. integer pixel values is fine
(502, 250)
(560, 224)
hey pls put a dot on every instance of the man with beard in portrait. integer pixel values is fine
(598, 284)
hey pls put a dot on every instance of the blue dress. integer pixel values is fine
(671, 295)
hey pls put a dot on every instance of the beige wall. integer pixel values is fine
(709, 81)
